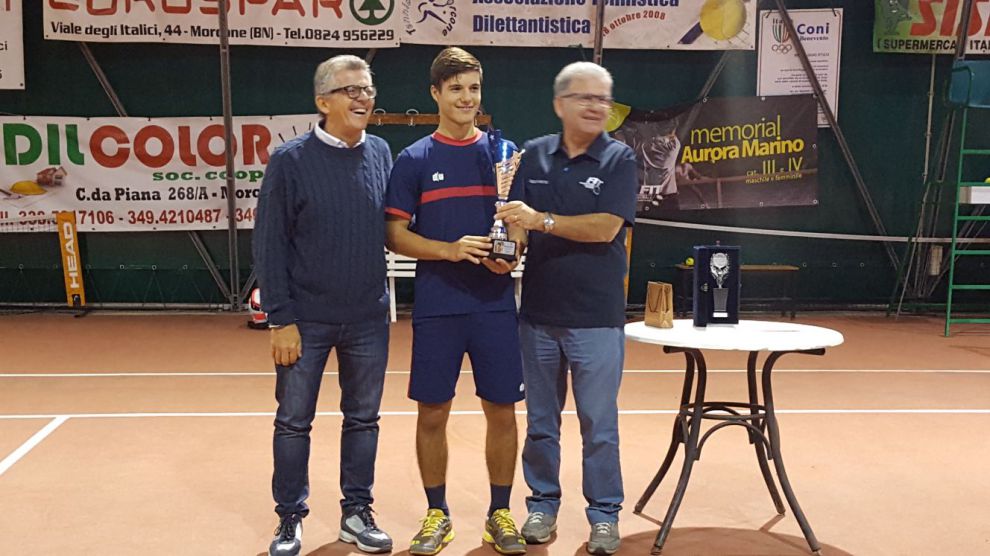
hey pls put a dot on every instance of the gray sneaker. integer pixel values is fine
(435, 533)
(604, 538)
(288, 536)
(538, 527)
(358, 527)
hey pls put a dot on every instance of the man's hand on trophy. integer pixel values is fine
(499, 266)
(468, 248)
(518, 213)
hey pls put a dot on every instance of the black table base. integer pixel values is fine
(758, 419)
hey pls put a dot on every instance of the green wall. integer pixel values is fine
(883, 104)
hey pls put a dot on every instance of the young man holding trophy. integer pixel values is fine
(440, 204)
(575, 192)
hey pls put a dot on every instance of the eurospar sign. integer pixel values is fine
(314, 23)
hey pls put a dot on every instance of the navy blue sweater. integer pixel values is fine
(319, 236)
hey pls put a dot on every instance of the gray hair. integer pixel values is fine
(325, 79)
(576, 70)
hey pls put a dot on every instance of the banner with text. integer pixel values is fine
(135, 174)
(724, 153)
(929, 27)
(779, 70)
(11, 45)
(315, 23)
(633, 24)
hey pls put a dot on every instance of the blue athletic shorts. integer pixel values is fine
(491, 340)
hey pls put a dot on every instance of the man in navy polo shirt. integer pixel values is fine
(575, 192)
(440, 204)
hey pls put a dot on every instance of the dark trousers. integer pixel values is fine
(362, 351)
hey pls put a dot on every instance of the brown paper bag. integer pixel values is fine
(659, 305)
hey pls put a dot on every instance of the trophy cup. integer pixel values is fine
(716, 285)
(507, 159)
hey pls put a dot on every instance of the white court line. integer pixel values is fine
(627, 371)
(775, 371)
(132, 375)
(973, 411)
(795, 233)
(20, 452)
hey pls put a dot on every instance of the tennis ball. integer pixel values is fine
(722, 19)
(986, 180)
(27, 187)
(689, 261)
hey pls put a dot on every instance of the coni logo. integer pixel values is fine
(781, 37)
(371, 12)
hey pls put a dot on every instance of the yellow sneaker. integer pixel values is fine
(501, 532)
(435, 533)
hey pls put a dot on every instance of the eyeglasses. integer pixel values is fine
(354, 91)
(588, 100)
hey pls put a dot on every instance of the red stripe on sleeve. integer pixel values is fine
(397, 212)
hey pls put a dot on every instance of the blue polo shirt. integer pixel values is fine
(568, 283)
(446, 189)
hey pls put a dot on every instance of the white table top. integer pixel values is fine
(748, 335)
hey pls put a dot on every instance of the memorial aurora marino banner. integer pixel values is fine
(723, 153)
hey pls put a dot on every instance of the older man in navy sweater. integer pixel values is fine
(319, 254)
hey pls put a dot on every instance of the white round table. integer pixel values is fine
(748, 335)
(777, 338)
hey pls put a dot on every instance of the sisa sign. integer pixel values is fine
(930, 26)
(151, 145)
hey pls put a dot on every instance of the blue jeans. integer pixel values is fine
(594, 357)
(362, 351)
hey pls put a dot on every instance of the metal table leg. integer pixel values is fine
(778, 462)
(691, 421)
(761, 454)
(676, 437)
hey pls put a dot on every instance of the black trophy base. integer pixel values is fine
(504, 249)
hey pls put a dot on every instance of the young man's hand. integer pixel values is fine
(468, 248)
(286, 345)
(500, 266)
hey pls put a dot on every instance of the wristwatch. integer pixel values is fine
(548, 222)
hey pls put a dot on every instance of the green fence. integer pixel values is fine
(883, 110)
